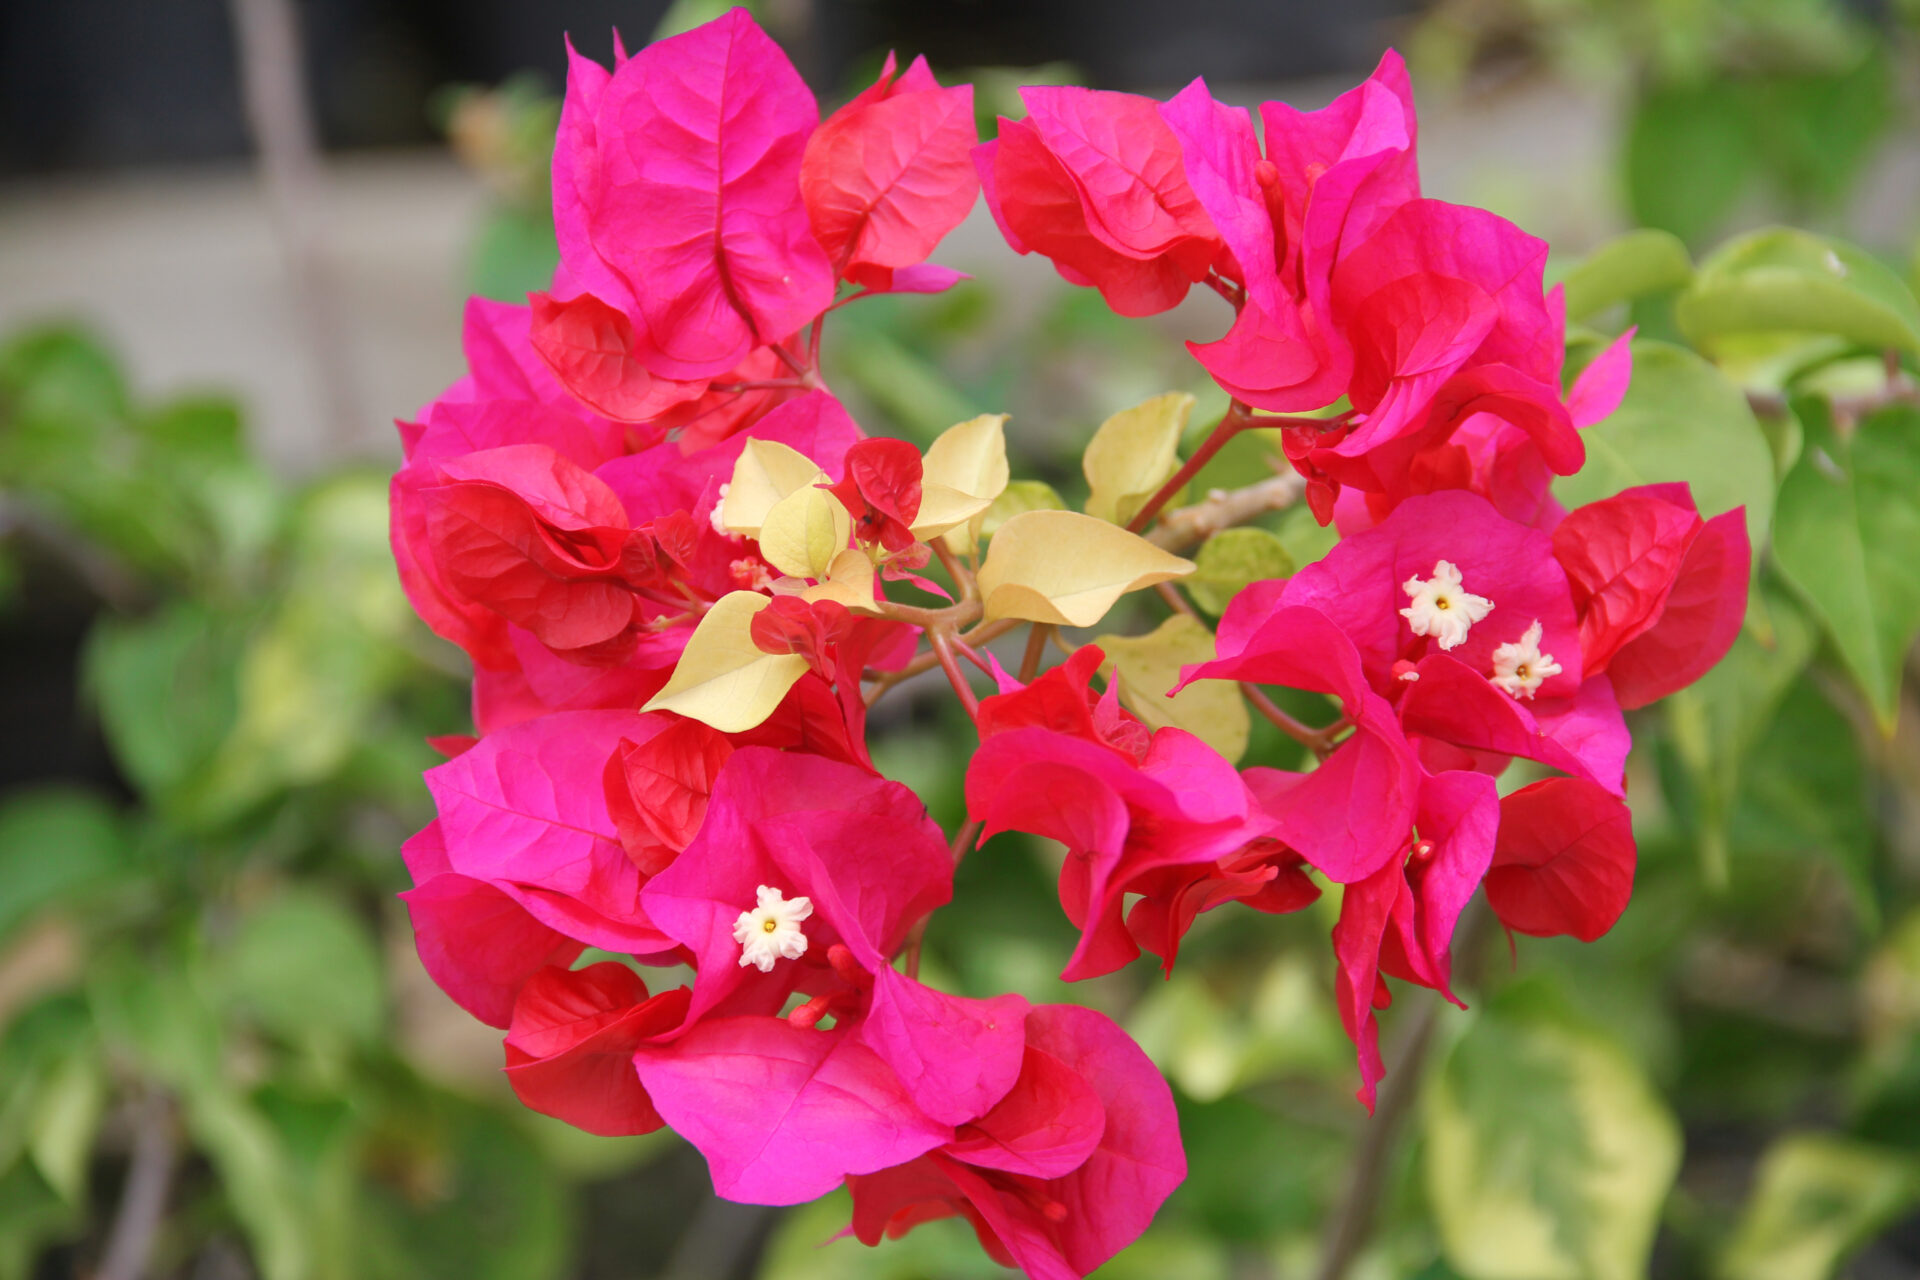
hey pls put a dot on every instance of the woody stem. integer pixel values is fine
(962, 580)
(1236, 419)
(1318, 741)
(942, 641)
(1036, 649)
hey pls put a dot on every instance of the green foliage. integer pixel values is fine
(1548, 1153)
(1849, 539)
(1682, 419)
(1232, 558)
(1818, 1198)
(1629, 266)
(1785, 281)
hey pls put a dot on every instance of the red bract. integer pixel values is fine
(657, 790)
(1064, 1173)
(1662, 593)
(593, 349)
(1094, 181)
(570, 1047)
(1564, 862)
(1058, 763)
(841, 864)
(1400, 919)
(889, 174)
(882, 490)
(700, 236)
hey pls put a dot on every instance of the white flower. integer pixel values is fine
(719, 505)
(1441, 607)
(771, 931)
(1520, 669)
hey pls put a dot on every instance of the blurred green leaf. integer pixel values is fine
(54, 843)
(1229, 560)
(66, 1118)
(804, 1247)
(1149, 665)
(165, 690)
(31, 1215)
(1626, 267)
(256, 1176)
(1548, 1154)
(514, 253)
(1783, 280)
(304, 965)
(1817, 1198)
(1821, 127)
(1681, 419)
(908, 387)
(465, 1196)
(1848, 538)
(1210, 1047)
(1689, 156)
(1804, 791)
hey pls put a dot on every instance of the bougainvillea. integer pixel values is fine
(683, 572)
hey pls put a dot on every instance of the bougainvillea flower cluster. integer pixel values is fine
(666, 867)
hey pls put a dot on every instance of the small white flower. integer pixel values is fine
(719, 505)
(1441, 607)
(771, 931)
(1520, 669)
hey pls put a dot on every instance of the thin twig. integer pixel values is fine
(962, 580)
(143, 1200)
(1236, 419)
(1846, 409)
(1175, 601)
(1223, 509)
(1036, 650)
(1352, 1222)
(982, 634)
(274, 91)
(942, 644)
(1318, 741)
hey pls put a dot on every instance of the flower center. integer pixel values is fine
(771, 931)
(1519, 669)
(1441, 607)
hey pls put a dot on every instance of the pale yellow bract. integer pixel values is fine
(1132, 454)
(766, 473)
(963, 471)
(1068, 569)
(723, 679)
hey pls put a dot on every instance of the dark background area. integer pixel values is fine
(87, 84)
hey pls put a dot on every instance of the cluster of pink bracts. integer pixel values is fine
(556, 518)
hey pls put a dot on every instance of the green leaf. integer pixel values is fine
(303, 965)
(1821, 127)
(1149, 665)
(65, 1121)
(165, 690)
(807, 1246)
(1232, 558)
(1548, 1154)
(1689, 157)
(514, 253)
(1783, 280)
(1817, 1198)
(32, 1216)
(54, 843)
(1629, 266)
(1681, 420)
(1717, 722)
(1803, 791)
(1848, 537)
(255, 1173)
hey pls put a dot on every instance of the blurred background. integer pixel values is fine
(234, 242)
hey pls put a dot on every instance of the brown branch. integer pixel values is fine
(1223, 509)
(1236, 419)
(143, 1199)
(1846, 409)
(942, 643)
(274, 92)
(1352, 1221)
(1036, 650)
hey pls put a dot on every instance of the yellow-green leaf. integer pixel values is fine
(1782, 280)
(1133, 454)
(723, 679)
(1232, 558)
(1149, 665)
(1068, 569)
(1548, 1153)
(965, 469)
(765, 473)
(805, 530)
(1817, 1198)
(1018, 496)
(1626, 267)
